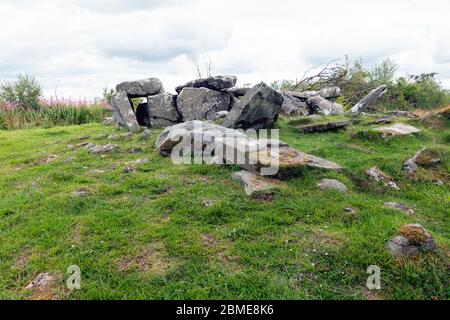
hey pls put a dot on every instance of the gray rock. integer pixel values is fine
(376, 175)
(108, 121)
(424, 157)
(141, 161)
(400, 207)
(413, 239)
(123, 114)
(368, 100)
(220, 115)
(332, 184)
(214, 83)
(258, 109)
(141, 88)
(256, 186)
(323, 127)
(202, 103)
(42, 281)
(83, 192)
(399, 247)
(293, 106)
(397, 129)
(319, 105)
(145, 135)
(128, 170)
(158, 123)
(330, 92)
(238, 91)
(163, 106)
(102, 149)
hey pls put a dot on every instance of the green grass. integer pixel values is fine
(301, 245)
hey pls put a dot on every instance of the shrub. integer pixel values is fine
(23, 93)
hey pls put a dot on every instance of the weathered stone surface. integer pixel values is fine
(238, 91)
(375, 174)
(368, 100)
(214, 83)
(400, 207)
(412, 239)
(258, 109)
(323, 127)
(123, 112)
(102, 149)
(399, 247)
(202, 103)
(330, 92)
(82, 192)
(326, 93)
(41, 281)
(145, 135)
(159, 123)
(332, 184)
(141, 88)
(108, 121)
(220, 115)
(163, 106)
(256, 186)
(293, 106)
(263, 157)
(423, 158)
(397, 129)
(319, 105)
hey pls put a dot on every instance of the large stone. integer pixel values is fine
(214, 83)
(330, 92)
(323, 127)
(332, 184)
(326, 93)
(220, 145)
(141, 88)
(293, 106)
(123, 114)
(256, 186)
(424, 158)
(369, 100)
(397, 129)
(319, 105)
(202, 103)
(238, 91)
(258, 109)
(163, 106)
(159, 123)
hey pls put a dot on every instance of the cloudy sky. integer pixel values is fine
(78, 47)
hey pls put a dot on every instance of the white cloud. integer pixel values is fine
(81, 46)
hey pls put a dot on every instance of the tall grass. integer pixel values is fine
(53, 112)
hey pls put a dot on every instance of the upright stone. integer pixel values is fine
(202, 103)
(163, 106)
(258, 109)
(123, 114)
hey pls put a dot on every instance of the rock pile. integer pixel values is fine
(412, 239)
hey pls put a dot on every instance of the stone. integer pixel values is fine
(102, 149)
(397, 129)
(293, 106)
(323, 127)
(350, 210)
(381, 120)
(238, 91)
(123, 113)
(141, 161)
(159, 123)
(333, 184)
(82, 192)
(399, 247)
(256, 186)
(220, 145)
(424, 158)
(41, 281)
(319, 105)
(330, 92)
(400, 207)
(326, 93)
(141, 88)
(375, 174)
(128, 170)
(145, 135)
(220, 115)
(416, 234)
(369, 100)
(118, 137)
(108, 121)
(202, 103)
(258, 109)
(163, 106)
(214, 83)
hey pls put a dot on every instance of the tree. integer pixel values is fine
(24, 93)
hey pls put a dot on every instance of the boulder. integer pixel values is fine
(424, 158)
(330, 92)
(326, 93)
(123, 114)
(214, 83)
(332, 184)
(238, 91)
(400, 207)
(319, 105)
(202, 103)
(293, 106)
(220, 145)
(397, 129)
(256, 186)
(323, 127)
(163, 106)
(258, 109)
(141, 88)
(399, 247)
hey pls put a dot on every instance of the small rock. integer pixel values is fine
(438, 182)
(128, 170)
(141, 161)
(256, 186)
(350, 210)
(135, 150)
(108, 121)
(400, 247)
(102, 149)
(415, 233)
(332, 184)
(41, 281)
(145, 135)
(208, 203)
(81, 193)
(400, 207)
(375, 174)
(70, 159)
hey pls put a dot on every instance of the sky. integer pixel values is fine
(75, 48)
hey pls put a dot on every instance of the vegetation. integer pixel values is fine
(185, 232)
(405, 93)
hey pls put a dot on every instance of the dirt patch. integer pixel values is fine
(75, 235)
(210, 241)
(150, 260)
(21, 260)
(46, 286)
(371, 294)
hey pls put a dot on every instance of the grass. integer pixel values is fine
(149, 234)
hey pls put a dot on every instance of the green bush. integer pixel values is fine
(23, 93)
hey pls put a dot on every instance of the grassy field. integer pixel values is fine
(190, 232)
